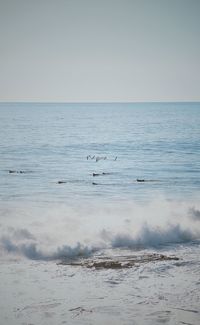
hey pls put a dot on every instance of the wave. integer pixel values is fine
(150, 237)
(194, 213)
(31, 250)
(61, 232)
(147, 238)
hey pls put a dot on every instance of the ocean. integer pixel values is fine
(100, 213)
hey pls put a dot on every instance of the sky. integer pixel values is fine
(99, 50)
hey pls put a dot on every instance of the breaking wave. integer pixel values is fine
(149, 237)
(81, 232)
(31, 251)
(146, 238)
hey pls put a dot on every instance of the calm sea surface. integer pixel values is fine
(157, 142)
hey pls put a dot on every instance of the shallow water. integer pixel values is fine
(53, 209)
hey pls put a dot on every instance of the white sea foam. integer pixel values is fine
(67, 232)
(154, 237)
(31, 250)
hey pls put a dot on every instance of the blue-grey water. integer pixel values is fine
(50, 142)
(87, 182)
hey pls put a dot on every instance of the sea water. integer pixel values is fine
(89, 182)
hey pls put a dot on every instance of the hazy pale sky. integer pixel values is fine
(99, 50)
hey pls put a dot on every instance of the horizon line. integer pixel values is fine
(101, 102)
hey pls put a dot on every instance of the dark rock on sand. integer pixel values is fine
(119, 262)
